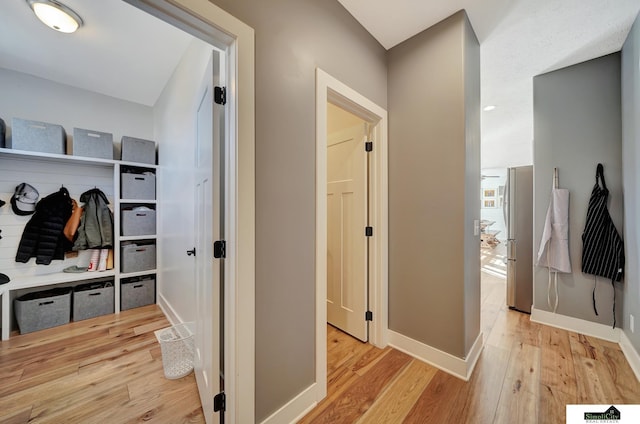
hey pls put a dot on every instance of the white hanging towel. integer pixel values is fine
(554, 246)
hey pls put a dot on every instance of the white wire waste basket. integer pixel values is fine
(176, 343)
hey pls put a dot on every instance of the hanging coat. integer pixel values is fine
(96, 224)
(42, 237)
(554, 246)
(602, 246)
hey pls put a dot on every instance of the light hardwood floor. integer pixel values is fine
(109, 370)
(527, 373)
(103, 370)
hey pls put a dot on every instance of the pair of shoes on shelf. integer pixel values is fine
(75, 269)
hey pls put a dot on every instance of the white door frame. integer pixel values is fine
(329, 89)
(212, 24)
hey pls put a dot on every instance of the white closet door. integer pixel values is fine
(346, 241)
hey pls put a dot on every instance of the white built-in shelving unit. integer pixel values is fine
(48, 172)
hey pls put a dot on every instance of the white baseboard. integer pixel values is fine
(630, 353)
(297, 408)
(168, 311)
(461, 368)
(576, 325)
(474, 355)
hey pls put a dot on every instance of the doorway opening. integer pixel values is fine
(235, 217)
(370, 125)
(506, 245)
(348, 174)
(493, 241)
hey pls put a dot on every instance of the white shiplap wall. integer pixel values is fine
(47, 177)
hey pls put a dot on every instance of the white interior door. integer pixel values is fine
(208, 202)
(347, 287)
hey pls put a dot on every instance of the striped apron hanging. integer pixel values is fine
(602, 247)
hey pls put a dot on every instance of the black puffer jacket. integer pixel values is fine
(42, 237)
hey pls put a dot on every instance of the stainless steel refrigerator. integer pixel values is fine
(518, 209)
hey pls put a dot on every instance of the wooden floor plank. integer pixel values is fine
(342, 349)
(622, 375)
(47, 375)
(149, 328)
(83, 372)
(400, 396)
(528, 332)
(582, 346)
(364, 391)
(594, 381)
(590, 386)
(552, 405)
(10, 375)
(505, 330)
(519, 395)
(557, 370)
(482, 402)
(19, 416)
(369, 359)
(82, 410)
(436, 402)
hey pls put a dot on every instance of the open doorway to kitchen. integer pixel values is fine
(493, 247)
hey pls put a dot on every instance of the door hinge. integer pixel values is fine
(368, 231)
(220, 249)
(368, 146)
(219, 402)
(368, 316)
(220, 95)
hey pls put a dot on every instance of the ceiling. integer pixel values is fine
(519, 39)
(125, 53)
(120, 51)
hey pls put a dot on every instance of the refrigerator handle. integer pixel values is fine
(511, 249)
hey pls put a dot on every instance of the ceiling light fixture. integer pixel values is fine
(56, 15)
(489, 108)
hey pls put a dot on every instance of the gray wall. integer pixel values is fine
(471, 51)
(434, 189)
(29, 97)
(577, 124)
(293, 37)
(631, 176)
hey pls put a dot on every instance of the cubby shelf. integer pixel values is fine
(76, 168)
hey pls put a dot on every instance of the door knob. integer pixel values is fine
(191, 252)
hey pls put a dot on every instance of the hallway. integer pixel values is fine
(527, 373)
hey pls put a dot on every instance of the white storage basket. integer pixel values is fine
(176, 344)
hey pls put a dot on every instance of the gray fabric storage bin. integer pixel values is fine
(37, 136)
(138, 222)
(43, 309)
(93, 144)
(138, 186)
(137, 292)
(93, 299)
(136, 257)
(138, 150)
